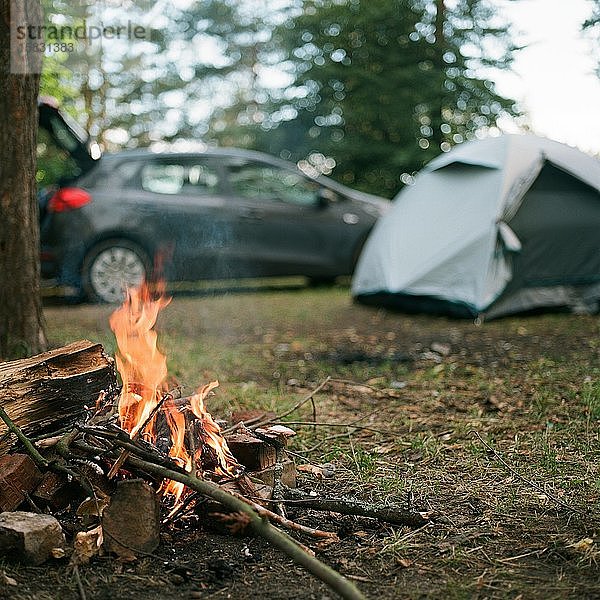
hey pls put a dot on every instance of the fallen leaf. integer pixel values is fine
(87, 545)
(58, 552)
(93, 507)
(6, 580)
(313, 469)
(583, 545)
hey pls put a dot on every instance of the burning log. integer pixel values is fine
(255, 454)
(48, 391)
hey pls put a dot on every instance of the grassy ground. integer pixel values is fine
(495, 427)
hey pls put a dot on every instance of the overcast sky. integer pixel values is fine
(554, 76)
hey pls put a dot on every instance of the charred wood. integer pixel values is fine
(18, 477)
(389, 513)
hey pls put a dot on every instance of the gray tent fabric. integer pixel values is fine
(493, 227)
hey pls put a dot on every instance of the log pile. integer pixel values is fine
(72, 458)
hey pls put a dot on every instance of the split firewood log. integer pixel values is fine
(48, 391)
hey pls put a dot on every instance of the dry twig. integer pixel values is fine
(390, 513)
(530, 483)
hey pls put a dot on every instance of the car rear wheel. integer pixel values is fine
(111, 267)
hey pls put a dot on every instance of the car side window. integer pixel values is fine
(264, 182)
(190, 179)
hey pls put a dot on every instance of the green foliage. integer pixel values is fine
(378, 89)
(130, 93)
(373, 89)
(592, 26)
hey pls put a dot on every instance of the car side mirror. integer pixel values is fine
(325, 197)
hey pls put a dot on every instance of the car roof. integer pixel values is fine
(231, 152)
(209, 152)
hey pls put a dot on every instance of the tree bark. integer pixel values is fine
(21, 320)
(437, 118)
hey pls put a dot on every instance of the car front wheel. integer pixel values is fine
(111, 267)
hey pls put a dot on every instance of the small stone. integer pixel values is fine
(441, 349)
(398, 385)
(29, 537)
(328, 470)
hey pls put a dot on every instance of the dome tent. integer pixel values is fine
(493, 227)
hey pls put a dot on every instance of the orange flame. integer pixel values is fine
(226, 463)
(143, 369)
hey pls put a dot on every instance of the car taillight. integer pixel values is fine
(68, 198)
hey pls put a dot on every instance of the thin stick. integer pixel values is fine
(125, 453)
(241, 424)
(302, 402)
(255, 423)
(287, 523)
(532, 484)
(357, 383)
(37, 458)
(79, 583)
(321, 424)
(48, 442)
(181, 508)
(51, 435)
(329, 438)
(130, 446)
(152, 414)
(389, 513)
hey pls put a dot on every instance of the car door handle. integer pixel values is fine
(253, 214)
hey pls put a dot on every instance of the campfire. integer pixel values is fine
(181, 428)
(124, 461)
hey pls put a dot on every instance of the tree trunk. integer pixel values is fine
(437, 119)
(21, 319)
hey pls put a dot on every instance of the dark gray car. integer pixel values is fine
(221, 213)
